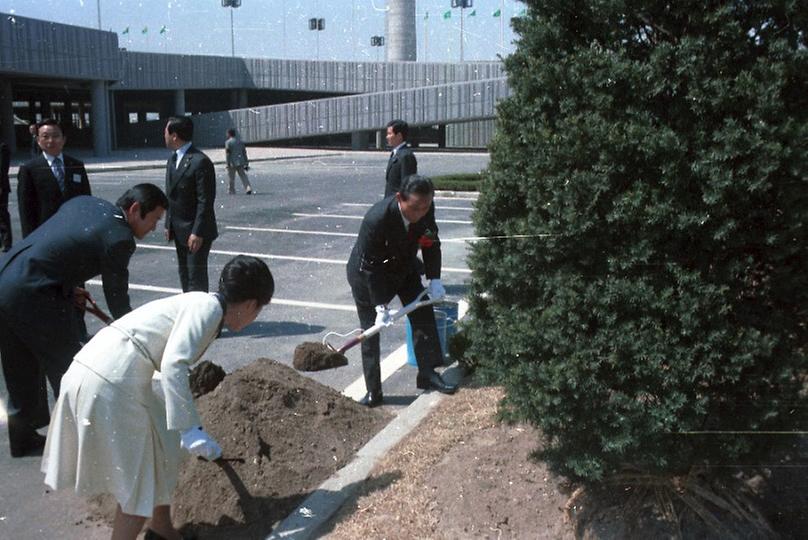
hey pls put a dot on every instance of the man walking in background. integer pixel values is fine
(237, 162)
(49, 179)
(191, 191)
(402, 161)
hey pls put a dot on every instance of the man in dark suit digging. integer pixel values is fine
(383, 264)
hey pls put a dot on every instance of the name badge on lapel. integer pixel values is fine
(77, 179)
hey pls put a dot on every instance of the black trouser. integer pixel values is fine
(5, 223)
(28, 360)
(193, 267)
(425, 339)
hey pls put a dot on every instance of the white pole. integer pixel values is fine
(462, 10)
(426, 38)
(232, 35)
(501, 26)
(98, 4)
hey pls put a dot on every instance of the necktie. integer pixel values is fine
(411, 231)
(59, 172)
(174, 160)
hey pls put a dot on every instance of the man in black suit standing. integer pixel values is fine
(191, 190)
(402, 162)
(40, 284)
(383, 265)
(49, 179)
(5, 189)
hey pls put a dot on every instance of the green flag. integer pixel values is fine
(125, 30)
(163, 30)
(448, 14)
(473, 13)
(145, 30)
(497, 13)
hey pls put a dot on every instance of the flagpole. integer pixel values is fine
(98, 5)
(501, 25)
(462, 11)
(426, 37)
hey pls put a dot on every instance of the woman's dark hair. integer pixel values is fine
(148, 195)
(246, 278)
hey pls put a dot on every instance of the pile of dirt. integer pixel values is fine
(313, 356)
(205, 377)
(282, 434)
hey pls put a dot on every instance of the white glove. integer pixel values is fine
(199, 443)
(383, 316)
(436, 289)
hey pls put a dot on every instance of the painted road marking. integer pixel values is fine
(368, 205)
(275, 301)
(338, 216)
(392, 362)
(288, 257)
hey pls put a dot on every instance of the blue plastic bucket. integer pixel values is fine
(446, 323)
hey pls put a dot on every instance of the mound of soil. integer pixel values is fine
(313, 356)
(282, 435)
(205, 377)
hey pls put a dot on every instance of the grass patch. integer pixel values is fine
(458, 182)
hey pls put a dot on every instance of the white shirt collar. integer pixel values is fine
(399, 147)
(181, 151)
(50, 158)
(406, 222)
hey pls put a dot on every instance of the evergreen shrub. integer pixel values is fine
(655, 157)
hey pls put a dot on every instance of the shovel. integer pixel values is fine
(92, 307)
(376, 328)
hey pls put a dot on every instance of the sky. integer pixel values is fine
(279, 28)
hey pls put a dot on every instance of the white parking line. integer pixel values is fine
(276, 301)
(367, 205)
(290, 231)
(391, 363)
(288, 257)
(338, 216)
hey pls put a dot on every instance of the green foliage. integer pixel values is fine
(655, 155)
(458, 182)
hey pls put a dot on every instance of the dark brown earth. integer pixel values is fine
(314, 356)
(205, 377)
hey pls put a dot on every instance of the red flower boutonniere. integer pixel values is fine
(427, 239)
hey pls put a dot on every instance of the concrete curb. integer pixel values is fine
(307, 520)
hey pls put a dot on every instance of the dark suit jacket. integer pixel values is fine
(385, 253)
(191, 191)
(399, 166)
(38, 192)
(5, 162)
(86, 237)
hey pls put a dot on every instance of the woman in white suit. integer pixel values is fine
(112, 433)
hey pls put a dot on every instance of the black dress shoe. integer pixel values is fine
(26, 443)
(433, 381)
(151, 535)
(372, 399)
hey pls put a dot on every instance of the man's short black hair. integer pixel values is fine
(231, 132)
(182, 126)
(148, 195)
(49, 122)
(418, 184)
(399, 126)
(246, 278)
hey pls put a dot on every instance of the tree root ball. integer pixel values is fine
(313, 356)
(205, 377)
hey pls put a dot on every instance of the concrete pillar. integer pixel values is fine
(179, 102)
(381, 139)
(399, 31)
(100, 118)
(360, 140)
(242, 98)
(7, 115)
